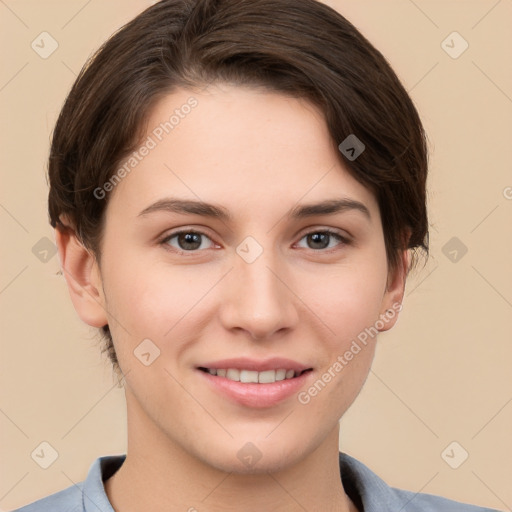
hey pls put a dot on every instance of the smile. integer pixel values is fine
(255, 389)
(251, 376)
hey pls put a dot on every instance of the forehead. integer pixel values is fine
(249, 149)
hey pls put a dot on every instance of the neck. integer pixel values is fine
(156, 476)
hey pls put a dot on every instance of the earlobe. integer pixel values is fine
(83, 278)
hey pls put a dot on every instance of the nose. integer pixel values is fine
(258, 298)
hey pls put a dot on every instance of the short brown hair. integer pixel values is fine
(303, 48)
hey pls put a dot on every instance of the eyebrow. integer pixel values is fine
(187, 206)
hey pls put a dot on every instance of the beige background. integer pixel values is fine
(442, 375)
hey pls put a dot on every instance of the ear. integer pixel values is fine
(82, 275)
(394, 294)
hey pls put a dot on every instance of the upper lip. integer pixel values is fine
(244, 363)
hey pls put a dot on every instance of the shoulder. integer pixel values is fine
(421, 502)
(67, 500)
(374, 495)
(84, 495)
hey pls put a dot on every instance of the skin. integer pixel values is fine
(258, 154)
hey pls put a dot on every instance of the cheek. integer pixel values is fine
(350, 306)
(150, 305)
(349, 300)
(153, 301)
(159, 301)
(347, 354)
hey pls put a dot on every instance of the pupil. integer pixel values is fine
(190, 238)
(320, 238)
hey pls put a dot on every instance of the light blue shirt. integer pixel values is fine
(368, 492)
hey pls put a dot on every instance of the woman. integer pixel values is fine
(238, 192)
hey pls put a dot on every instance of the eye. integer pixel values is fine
(193, 241)
(321, 239)
(187, 241)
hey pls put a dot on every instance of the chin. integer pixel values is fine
(249, 458)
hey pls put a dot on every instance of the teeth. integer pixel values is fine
(233, 374)
(280, 374)
(247, 376)
(267, 376)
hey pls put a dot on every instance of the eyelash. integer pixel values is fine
(342, 239)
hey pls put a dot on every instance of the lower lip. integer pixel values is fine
(257, 395)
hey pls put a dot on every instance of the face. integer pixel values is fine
(259, 280)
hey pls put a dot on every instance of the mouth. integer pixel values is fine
(255, 383)
(253, 376)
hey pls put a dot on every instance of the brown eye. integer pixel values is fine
(318, 240)
(186, 241)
